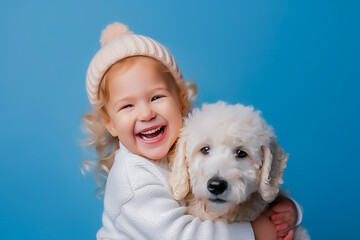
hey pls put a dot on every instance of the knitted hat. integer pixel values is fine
(118, 42)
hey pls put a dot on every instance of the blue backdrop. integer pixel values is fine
(296, 61)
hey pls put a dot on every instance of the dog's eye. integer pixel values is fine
(241, 153)
(205, 150)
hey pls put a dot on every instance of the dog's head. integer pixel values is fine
(224, 154)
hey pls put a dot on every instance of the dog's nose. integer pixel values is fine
(216, 185)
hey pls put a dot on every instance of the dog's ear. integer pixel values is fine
(179, 177)
(273, 165)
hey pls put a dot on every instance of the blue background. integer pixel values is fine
(296, 61)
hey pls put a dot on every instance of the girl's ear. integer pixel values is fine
(179, 177)
(108, 124)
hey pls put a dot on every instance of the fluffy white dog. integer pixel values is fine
(227, 164)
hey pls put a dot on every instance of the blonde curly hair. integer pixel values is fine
(100, 139)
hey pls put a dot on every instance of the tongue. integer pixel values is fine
(152, 135)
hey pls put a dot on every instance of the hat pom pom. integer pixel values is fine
(113, 30)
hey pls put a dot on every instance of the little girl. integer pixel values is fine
(139, 98)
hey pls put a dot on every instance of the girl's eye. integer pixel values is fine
(241, 153)
(205, 150)
(156, 98)
(126, 106)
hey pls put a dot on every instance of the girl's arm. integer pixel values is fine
(158, 215)
(263, 228)
(138, 204)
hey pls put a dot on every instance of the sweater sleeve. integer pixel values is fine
(299, 211)
(150, 212)
(153, 214)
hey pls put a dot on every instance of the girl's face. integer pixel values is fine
(143, 108)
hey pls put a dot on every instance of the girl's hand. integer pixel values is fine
(284, 217)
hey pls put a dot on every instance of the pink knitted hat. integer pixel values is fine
(118, 42)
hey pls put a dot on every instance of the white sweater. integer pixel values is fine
(138, 204)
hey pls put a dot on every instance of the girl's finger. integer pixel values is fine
(282, 234)
(278, 218)
(290, 235)
(282, 227)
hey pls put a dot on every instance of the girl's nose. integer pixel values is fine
(146, 113)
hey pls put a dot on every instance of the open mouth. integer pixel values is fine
(217, 200)
(152, 134)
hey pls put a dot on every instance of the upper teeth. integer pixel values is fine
(151, 131)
